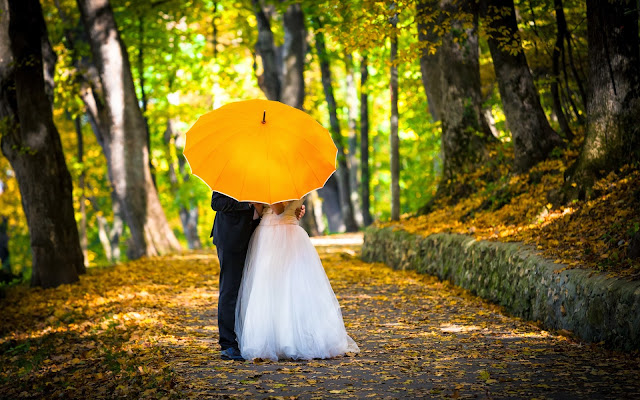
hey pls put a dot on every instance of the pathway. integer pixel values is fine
(419, 338)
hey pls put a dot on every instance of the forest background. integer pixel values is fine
(428, 102)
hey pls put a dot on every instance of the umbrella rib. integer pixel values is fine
(200, 140)
(221, 171)
(244, 182)
(309, 165)
(205, 137)
(268, 134)
(293, 181)
(307, 162)
(311, 143)
(206, 157)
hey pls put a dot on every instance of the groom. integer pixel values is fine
(232, 228)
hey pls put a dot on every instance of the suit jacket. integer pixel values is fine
(233, 225)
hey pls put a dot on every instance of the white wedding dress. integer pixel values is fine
(286, 307)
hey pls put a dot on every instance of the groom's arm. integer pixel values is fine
(221, 202)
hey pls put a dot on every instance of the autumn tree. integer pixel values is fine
(188, 207)
(557, 53)
(352, 123)
(6, 274)
(429, 21)
(394, 141)
(454, 70)
(156, 66)
(125, 142)
(269, 81)
(344, 170)
(533, 137)
(365, 180)
(77, 123)
(282, 77)
(293, 52)
(613, 100)
(31, 143)
(90, 92)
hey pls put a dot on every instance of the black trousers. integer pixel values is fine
(231, 269)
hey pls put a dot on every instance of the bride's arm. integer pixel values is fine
(278, 208)
(259, 208)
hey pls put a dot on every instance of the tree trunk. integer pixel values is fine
(294, 48)
(331, 206)
(109, 236)
(429, 18)
(90, 87)
(342, 174)
(352, 111)
(533, 137)
(292, 83)
(576, 75)
(269, 81)
(282, 78)
(125, 141)
(312, 222)
(97, 113)
(569, 93)
(613, 103)
(4, 243)
(465, 131)
(189, 219)
(189, 208)
(103, 236)
(393, 135)
(117, 228)
(329, 197)
(558, 50)
(365, 181)
(49, 60)
(214, 41)
(143, 94)
(81, 185)
(488, 116)
(31, 143)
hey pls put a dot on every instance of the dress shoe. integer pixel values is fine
(231, 354)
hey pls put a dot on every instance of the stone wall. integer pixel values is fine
(596, 308)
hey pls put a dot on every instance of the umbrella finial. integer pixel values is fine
(264, 115)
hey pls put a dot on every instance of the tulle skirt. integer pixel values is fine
(286, 307)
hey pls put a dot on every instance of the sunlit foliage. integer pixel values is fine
(189, 57)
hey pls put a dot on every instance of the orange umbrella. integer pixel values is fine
(260, 151)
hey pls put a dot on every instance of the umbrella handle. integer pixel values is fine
(264, 114)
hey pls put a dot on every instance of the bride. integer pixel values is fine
(286, 307)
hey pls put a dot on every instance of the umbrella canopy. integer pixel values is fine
(260, 151)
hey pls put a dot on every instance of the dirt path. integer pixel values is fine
(419, 338)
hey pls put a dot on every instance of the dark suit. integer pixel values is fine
(232, 229)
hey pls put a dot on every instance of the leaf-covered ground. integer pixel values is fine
(147, 329)
(493, 203)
